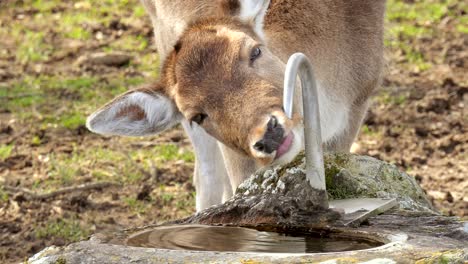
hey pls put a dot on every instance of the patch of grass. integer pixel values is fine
(183, 204)
(32, 46)
(78, 33)
(20, 95)
(462, 25)
(422, 12)
(101, 164)
(408, 21)
(73, 25)
(72, 121)
(61, 101)
(130, 43)
(82, 85)
(387, 98)
(415, 58)
(139, 11)
(136, 206)
(119, 85)
(366, 130)
(69, 229)
(174, 197)
(4, 197)
(149, 64)
(113, 165)
(400, 31)
(167, 197)
(5, 151)
(62, 171)
(171, 152)
(44, 6)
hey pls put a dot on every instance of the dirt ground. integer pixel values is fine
(49, 84)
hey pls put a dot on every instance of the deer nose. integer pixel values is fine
(272, 138)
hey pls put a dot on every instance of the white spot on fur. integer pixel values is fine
(160, 114)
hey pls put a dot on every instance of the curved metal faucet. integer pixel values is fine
(299, 64)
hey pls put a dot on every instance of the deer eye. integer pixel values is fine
(198, 118)
(255, 54)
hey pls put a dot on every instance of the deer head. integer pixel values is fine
(220, 76)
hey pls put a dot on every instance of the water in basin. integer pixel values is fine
(238, 239)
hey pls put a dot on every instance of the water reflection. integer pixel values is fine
(237, 239)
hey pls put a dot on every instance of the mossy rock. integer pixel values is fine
(347, 176)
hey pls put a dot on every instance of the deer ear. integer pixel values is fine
(138, 112)
(249, 11)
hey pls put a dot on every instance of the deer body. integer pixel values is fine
(226, 74)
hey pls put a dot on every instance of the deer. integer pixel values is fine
(221, 77)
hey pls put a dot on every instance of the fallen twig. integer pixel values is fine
(30, 195)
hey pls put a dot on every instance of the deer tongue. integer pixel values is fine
(285, 146)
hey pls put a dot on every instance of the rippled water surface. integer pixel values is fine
(217, 238)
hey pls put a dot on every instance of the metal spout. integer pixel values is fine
(299, 64)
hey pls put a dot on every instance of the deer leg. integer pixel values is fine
(238, 167)
(210, 176)
(345, 140)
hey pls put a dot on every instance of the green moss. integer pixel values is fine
(334, 164)
(295, 163)
(61, 261)
(445, 257)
